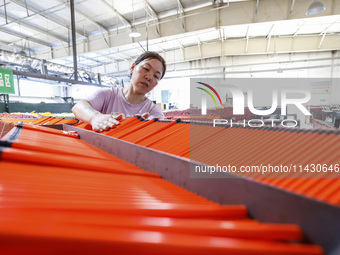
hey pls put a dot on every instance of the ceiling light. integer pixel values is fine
(134, 33)
(315, 7)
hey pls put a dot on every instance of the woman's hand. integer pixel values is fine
(145, 115)
(101, 122)
(84, 111)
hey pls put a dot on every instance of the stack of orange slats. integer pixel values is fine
(41, 121)
(69, 121)
(52, 121)
(55, 121)
(61, 195)
(240, 146)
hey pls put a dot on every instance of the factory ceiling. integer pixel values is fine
(180, 30)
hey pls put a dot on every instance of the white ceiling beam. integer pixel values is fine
(269, 36)
(247, 39)
(298, 43)
(47, 16)
(191, 53)
(181, 13)
(221, 33)
(291, 7)
(35, 28)
(153, 12)
(328, 27)
(160, 48)
(323, 33)
(154, 16)
(256, 10)
(121, 17)
(100, 26)
(10, 46)
(256, 46)
(205, 18)
(321, 41)
(199, 46)
(299, 28)
(268, 42)
(181, 49)
(24, 36)
(112, 55)
(87, 58)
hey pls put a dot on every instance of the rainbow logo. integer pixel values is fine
(209, 93)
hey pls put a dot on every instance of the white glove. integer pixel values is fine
(101, 122)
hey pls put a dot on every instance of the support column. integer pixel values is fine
(74, 41)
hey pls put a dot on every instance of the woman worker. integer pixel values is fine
(148, 69)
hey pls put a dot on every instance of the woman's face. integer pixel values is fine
(146, 75)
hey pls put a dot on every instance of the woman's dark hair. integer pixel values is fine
(151, 55)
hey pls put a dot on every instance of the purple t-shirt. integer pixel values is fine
(112, 100)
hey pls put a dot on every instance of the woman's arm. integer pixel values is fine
(84, 111)
(155, 112)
